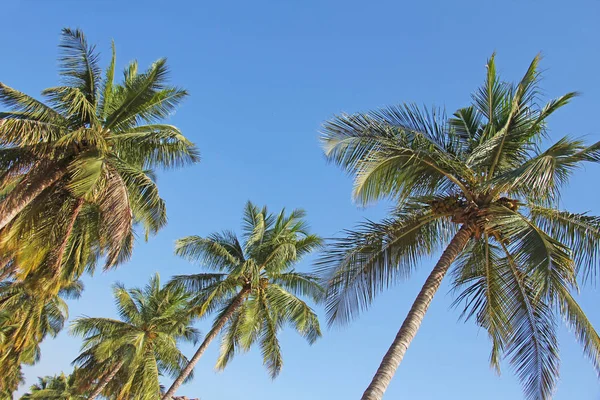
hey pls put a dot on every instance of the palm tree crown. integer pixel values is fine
(481, 179)
(254, 285)
(77, 171)
(58, 387)
(27, 316)
(135, 350)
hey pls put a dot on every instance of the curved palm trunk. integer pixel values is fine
(209, 338)
(105, 380)
(411, 324)
(28, 190)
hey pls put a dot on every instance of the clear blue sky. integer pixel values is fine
(262, 77)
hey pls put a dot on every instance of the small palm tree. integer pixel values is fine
(253, 287)
(124, 358)
(27, 315)
(478, 184)
(58, 387)
(88, 152)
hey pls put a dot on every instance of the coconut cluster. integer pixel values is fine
(508, 203)
(448, 205)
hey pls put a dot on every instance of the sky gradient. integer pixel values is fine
(263, 76)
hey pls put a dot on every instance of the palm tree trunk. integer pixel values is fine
(411, 324)
(28, 190)
(105, 380)
(209, 338)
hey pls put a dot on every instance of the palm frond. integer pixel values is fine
(584, 330)
(143, 97)
(524, 95)
(543, 258)
(269, 345)
(482, 288)
(373, 257)
(390, 161)
(218, 252)
(301, 284)
(533, 347)
(290, 309)
(543, 175)
(105, 102)
(156, 145)
(79, 63)
(580, 232)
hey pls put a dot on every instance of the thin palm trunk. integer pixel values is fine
(209, 338)
(26, 192)
(105, 380)
(392, 359)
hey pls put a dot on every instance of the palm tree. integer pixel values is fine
(253, 286)
(58, 387)
(90, 150)
(10, 381)
(478, 184)
(124, 358)
(27, 315)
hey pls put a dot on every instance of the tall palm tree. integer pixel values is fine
(27, 315)
(90, 149)
(478, 184)
(124, 358)
(58, 387)
(253, 287)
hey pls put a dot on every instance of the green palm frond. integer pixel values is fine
(291, 309)
(46, 123)
(501, 146)
(488, 98)
(533, 347)
(156, 145)
(143, 97)
(301, 284)
(218, 252)
(73, 103)
(544, 174)
(129, 309)
(270, 347)
(230, 338)
(481, 287)
(391, 160)
(584, 330)
(580, 232)
(541, 256)
(466, 123)
(107, 85)
(79, 64)
(372, 258)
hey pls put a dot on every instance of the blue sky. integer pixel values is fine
(262, 77)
